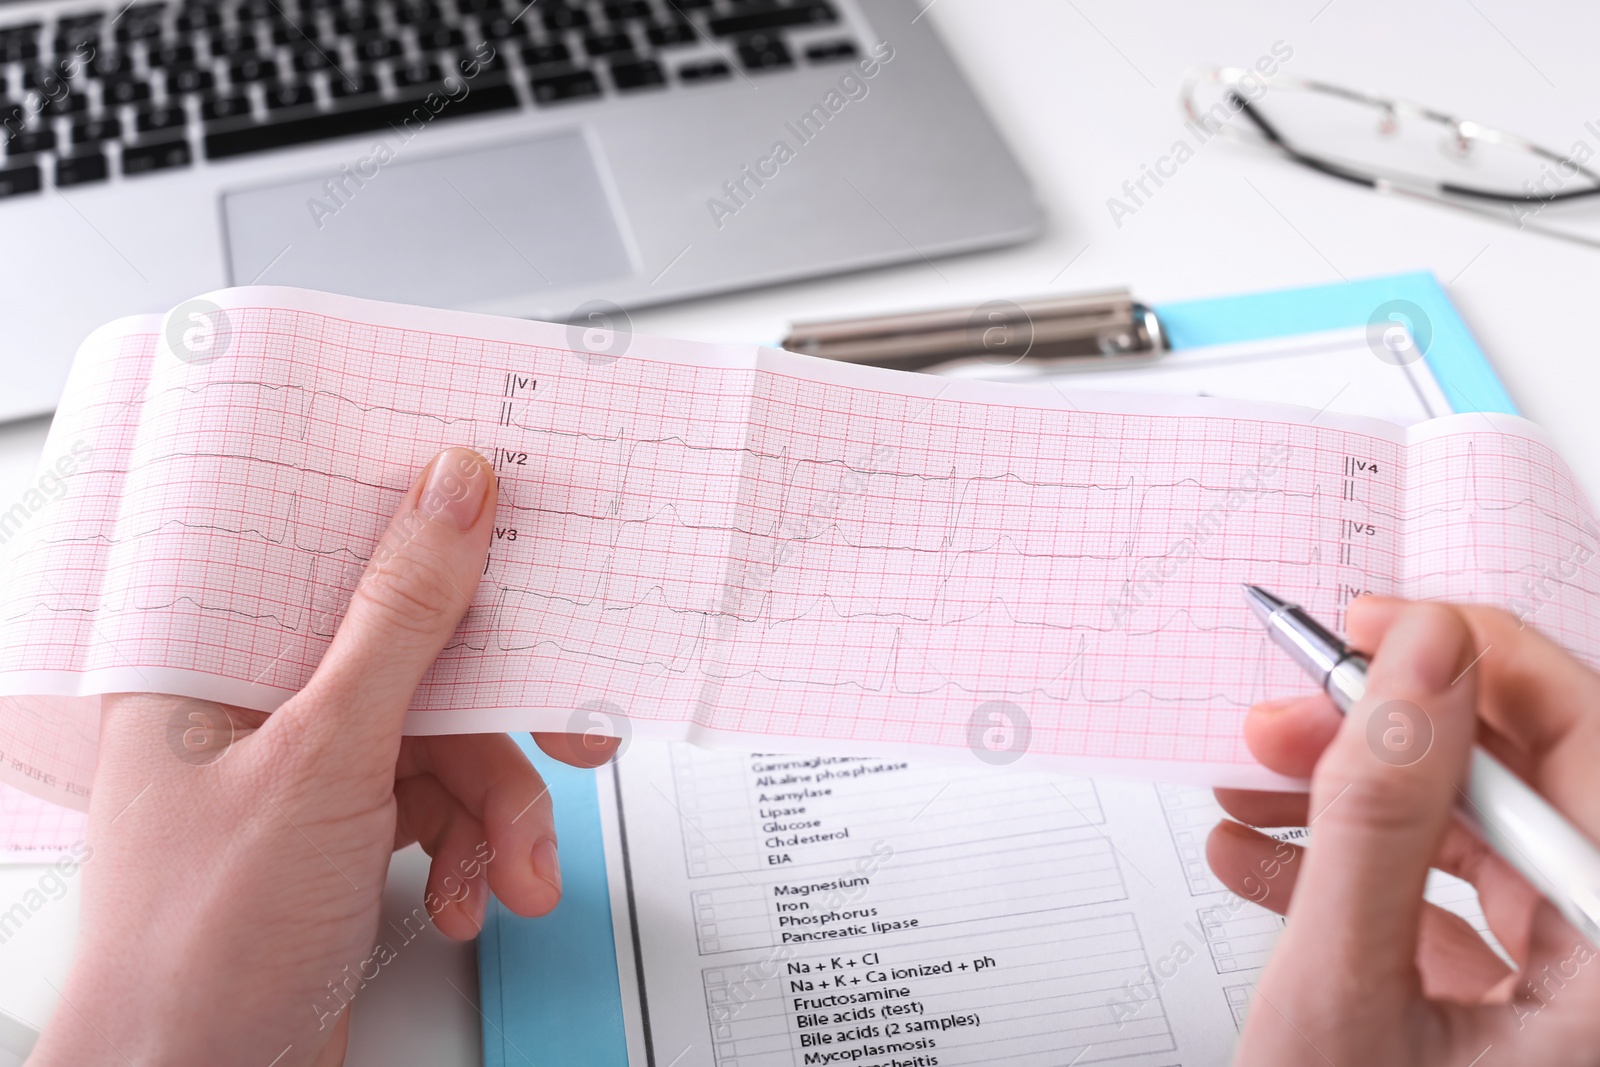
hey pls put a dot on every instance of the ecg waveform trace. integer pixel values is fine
(761, 545)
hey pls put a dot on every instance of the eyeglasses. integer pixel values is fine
(1398, 147)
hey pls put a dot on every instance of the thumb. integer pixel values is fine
(1382, 799)
(416, 588)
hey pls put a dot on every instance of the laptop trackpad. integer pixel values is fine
(479, 225)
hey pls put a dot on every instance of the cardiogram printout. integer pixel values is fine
(736, 546)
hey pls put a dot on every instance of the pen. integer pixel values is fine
(1501, 808)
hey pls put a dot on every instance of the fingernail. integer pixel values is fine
(1420, 651)
(1274, 707)
(478, 901)
(456, 486)
(545, 863)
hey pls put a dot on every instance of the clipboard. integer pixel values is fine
(550, 990)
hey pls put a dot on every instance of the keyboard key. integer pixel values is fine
(570, 86)
(124, 89)
(831, 51)
(189, 80)
(761, 51)
(26, 142)
(673, 33)
(540, 55)
(279, 97)
(433, 36)
(51, 79)
(232, 44)
(110, 65)
(565, 18)
(74, 30)
(478, 7)
(347, 23)
(472, 67)
(637, 75)
(607, 44)
(501, 27)
(75, 170)
(142, 159)
(708, 71)
(409, 74)
(19, 44)
(70, 104)
(627, 9)
(311, 59)
(757, 17)
(407, 14)
(92, 131)
(222, 144)
(160, 118)
(198, 18)
(140, 23)
(357, 83)
(171, 55)
(295, 36)
(252, 69)
(374, 48)
(16, 180)
(85, 41)
(225, 107)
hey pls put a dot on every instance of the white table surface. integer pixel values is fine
(1086, 91)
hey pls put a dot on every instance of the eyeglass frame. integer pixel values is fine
(1466, 132)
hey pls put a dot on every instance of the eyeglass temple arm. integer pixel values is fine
(1334, 170)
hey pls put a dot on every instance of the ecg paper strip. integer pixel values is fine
(36, 831)
(739, 546)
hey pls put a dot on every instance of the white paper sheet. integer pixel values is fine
(801, 911)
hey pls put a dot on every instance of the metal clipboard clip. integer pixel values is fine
(1001, 339)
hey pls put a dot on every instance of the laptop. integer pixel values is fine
(559, 159)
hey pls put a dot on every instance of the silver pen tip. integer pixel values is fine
(1263, 603)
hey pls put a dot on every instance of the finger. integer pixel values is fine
(1536, 700)
(1507, 900)
(416, 588)
(1367, 619)
(1254, 866)
(1553, 690)
(457, 892)
(1539, 706)
(1379, 814)
(1454, 960)
(587, 750)
(1558, 992)
(491, 778)
(1256, 808)
(332, 1053)
(1289, 736)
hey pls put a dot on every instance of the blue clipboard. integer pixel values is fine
(550, 988)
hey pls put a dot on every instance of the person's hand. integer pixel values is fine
(230, 902)
(1366, 973)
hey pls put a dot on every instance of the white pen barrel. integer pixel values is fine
(1535, 839)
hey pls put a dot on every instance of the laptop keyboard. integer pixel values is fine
(151, 87)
